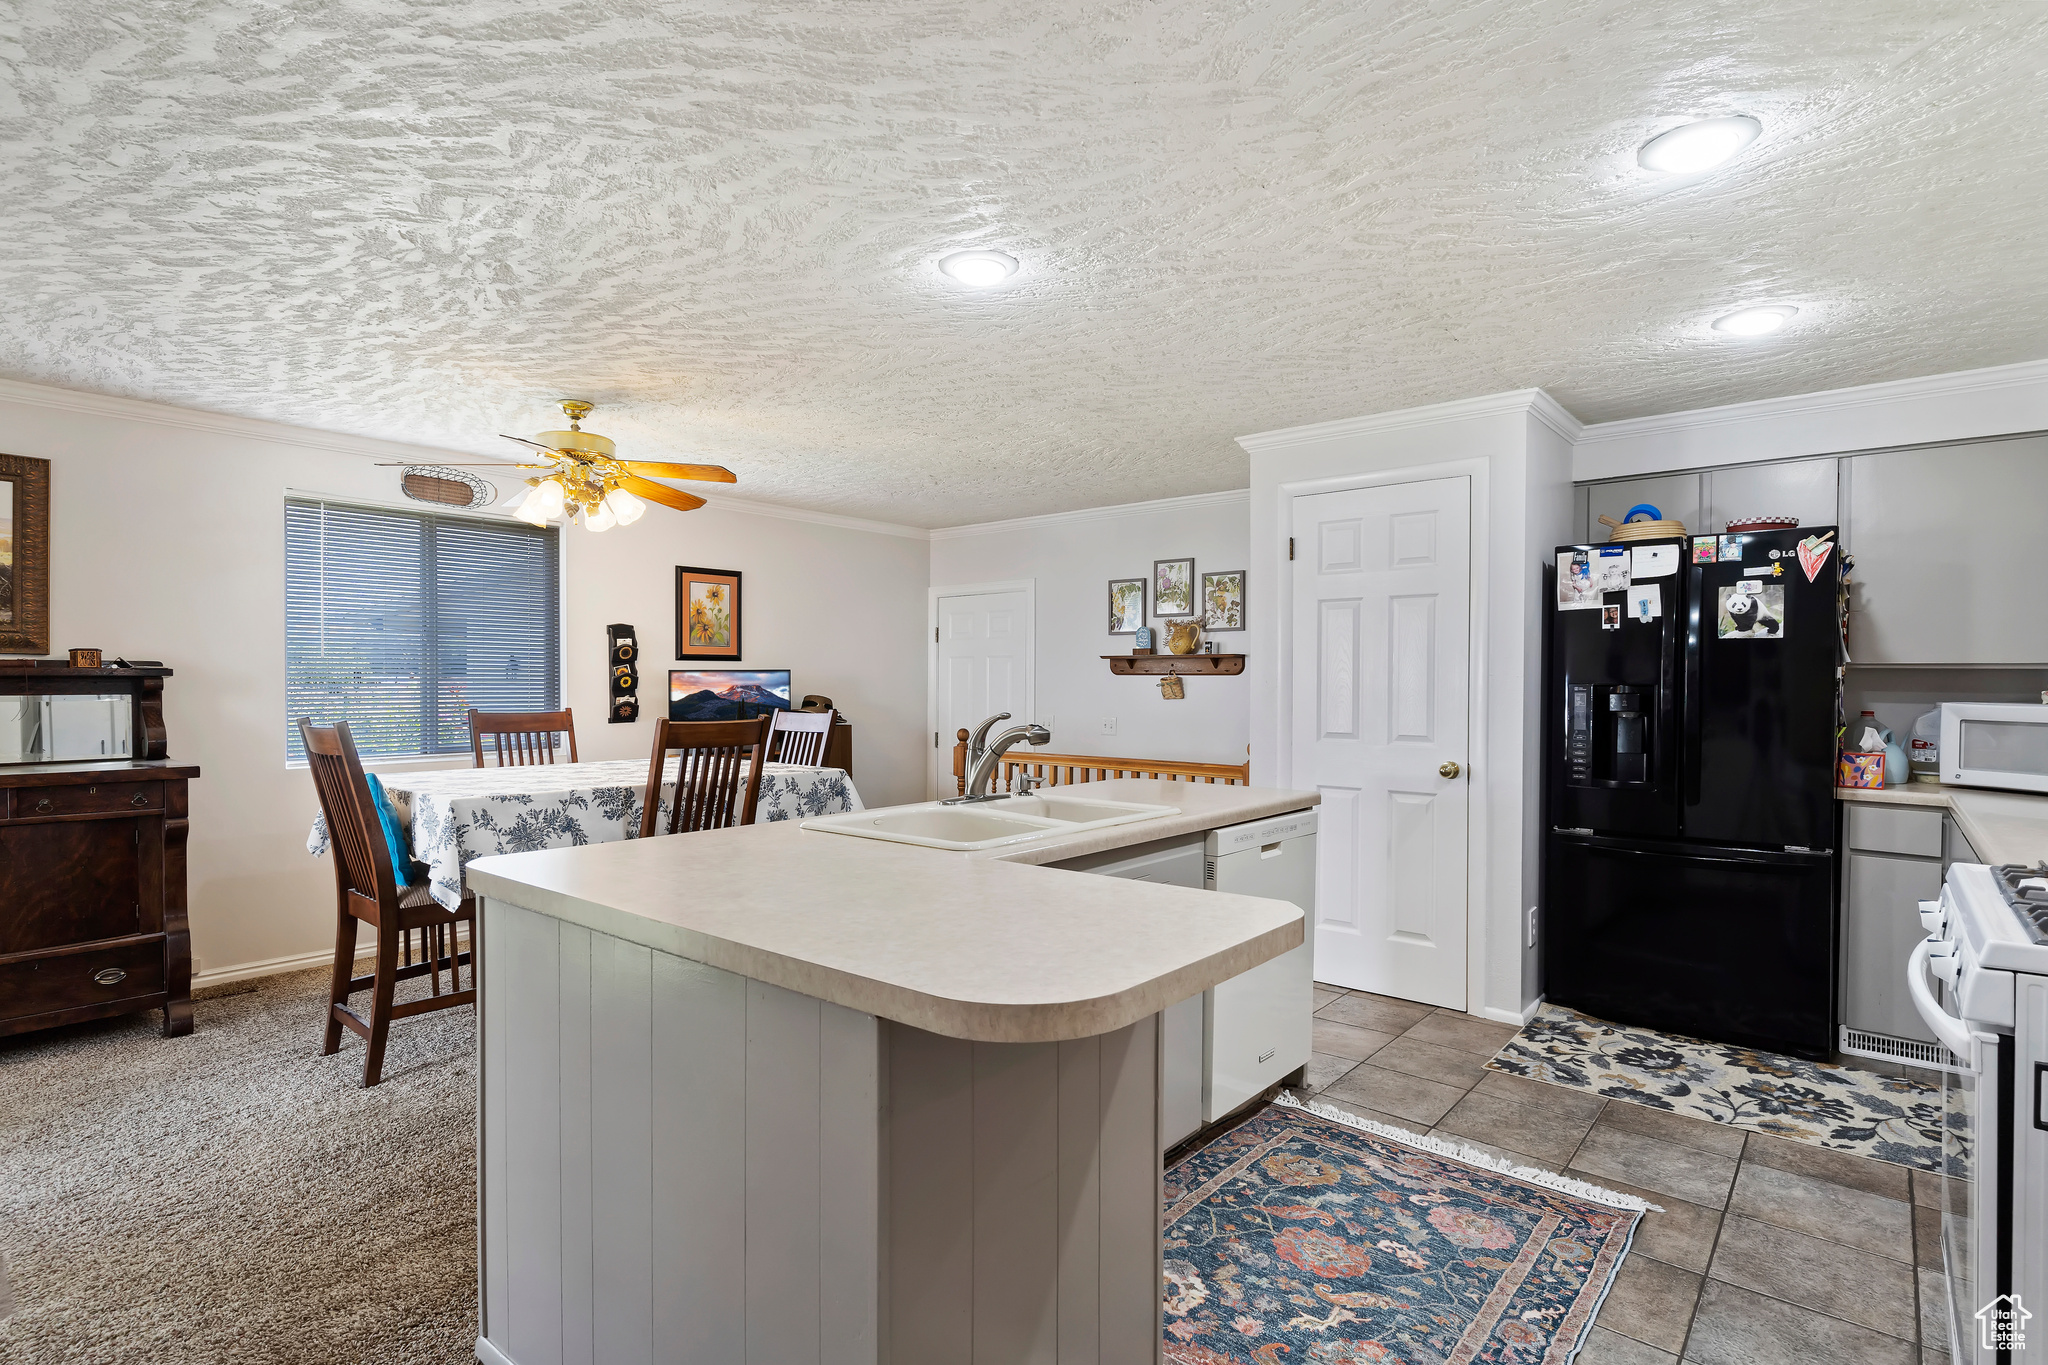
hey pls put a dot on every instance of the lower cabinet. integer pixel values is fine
(1894, 862)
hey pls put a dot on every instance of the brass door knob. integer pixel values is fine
(1450, 768)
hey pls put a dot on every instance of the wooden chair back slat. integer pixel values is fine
(799, 737)
(521, 738)
(718, 777)
(1058, 770)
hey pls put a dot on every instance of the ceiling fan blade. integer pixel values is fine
(456, 464)
(708, 473)
(661, 493)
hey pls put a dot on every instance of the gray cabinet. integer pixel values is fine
(1675, 495)
(1798, 488)
(1894, 862)
(1947, 540)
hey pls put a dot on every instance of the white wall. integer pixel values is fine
(1519, 445)
(1071, 558)
(167, 542)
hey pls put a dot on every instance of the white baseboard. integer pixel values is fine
(366, 944)
(1501, 1016)
(491, 1355)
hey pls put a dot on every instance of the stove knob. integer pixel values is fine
(1946, 966)
(1931, 917)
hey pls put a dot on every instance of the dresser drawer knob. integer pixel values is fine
(110, 976)
(139, 799)
(45, 805)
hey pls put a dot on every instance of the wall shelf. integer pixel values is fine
(1187, 665)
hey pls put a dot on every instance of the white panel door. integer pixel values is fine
(1381, 616)
(985, 662)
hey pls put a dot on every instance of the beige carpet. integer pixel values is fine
(233, 1197)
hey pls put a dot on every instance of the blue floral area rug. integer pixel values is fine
(1306, 1236)
(1891, 1118)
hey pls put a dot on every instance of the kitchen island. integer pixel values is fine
(774, 1095)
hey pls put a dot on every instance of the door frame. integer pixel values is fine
(1478, 769)
(1027, 586)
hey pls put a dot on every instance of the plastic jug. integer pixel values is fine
(1925, 757)
(1867, 736)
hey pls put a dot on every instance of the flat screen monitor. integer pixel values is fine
(726, 694)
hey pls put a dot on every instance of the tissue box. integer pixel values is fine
(1861, 770)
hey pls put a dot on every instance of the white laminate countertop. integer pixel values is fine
(2004, 827)
(968, 946)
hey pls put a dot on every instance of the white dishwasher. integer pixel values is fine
(1257, 1027)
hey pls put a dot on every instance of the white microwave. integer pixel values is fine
(1995, 744)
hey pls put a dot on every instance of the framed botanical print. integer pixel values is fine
(1126, 605)
(24, 555)
(707, 613)
(1223, 601)
(1173, 588)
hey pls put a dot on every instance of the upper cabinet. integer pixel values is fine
(1675, 495)
(1947, 543)
(1794, 488)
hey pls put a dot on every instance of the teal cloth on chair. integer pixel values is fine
(394, 837)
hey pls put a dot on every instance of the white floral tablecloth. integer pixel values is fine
(454, 815)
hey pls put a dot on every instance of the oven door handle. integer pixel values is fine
(1953, 1033)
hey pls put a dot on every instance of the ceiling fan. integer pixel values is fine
(586, 478)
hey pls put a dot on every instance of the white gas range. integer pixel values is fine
(1987, 947)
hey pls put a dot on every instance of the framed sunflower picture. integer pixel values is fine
(707, 613)
(1222, 601)
(1126, 605)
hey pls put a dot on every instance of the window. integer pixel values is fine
(399, 622)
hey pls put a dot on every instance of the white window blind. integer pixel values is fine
(399, 622)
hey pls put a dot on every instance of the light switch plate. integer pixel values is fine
(1109, 725)
(1532, 928)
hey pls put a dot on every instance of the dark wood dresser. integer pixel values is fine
(92, 866)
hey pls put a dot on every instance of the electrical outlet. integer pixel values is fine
(1532, 927)
(1109, 725)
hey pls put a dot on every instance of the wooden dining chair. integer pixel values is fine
(712, 791)
(366, 892)
(799, 737)
(521, 737)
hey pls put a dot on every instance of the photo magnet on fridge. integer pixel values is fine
(1752, 611)
(1577, 590)
(1731, 549)
(1705, 549)
(1610, 618)
(1813, 552)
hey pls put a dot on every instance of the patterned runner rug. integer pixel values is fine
(1892, 1118)
(1311, 1237)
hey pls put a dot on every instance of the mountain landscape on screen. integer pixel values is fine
(697, 695)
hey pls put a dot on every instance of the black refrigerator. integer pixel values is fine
(1689, 754)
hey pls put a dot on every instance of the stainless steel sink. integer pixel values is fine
(991, 824)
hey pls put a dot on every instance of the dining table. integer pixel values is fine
(453, 815)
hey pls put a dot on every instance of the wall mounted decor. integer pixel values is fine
(85, 658)
(1223, 601)
(624, 663)
(446, 487)
(1173, 588)
(707, 613)
(1126, 605)
(24, 555)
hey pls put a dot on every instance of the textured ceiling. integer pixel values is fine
(719, 219)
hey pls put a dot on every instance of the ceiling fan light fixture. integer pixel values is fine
(598, 517)
(1701, 145)
(547, 499)
(979, 269)
(1755, 322)
(624, 506)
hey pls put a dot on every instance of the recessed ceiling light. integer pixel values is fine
(1694, 147)
(1755, 322)
(979, 269)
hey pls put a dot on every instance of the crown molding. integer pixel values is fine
(779, 511)
(1961, 405)
(340, 443)
(1187, 502)
(1534, 402)
(221, 423)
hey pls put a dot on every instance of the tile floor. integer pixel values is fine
(1768, 1251)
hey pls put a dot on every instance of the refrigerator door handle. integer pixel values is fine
(1692, 688)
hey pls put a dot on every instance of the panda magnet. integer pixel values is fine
(1752, 610)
